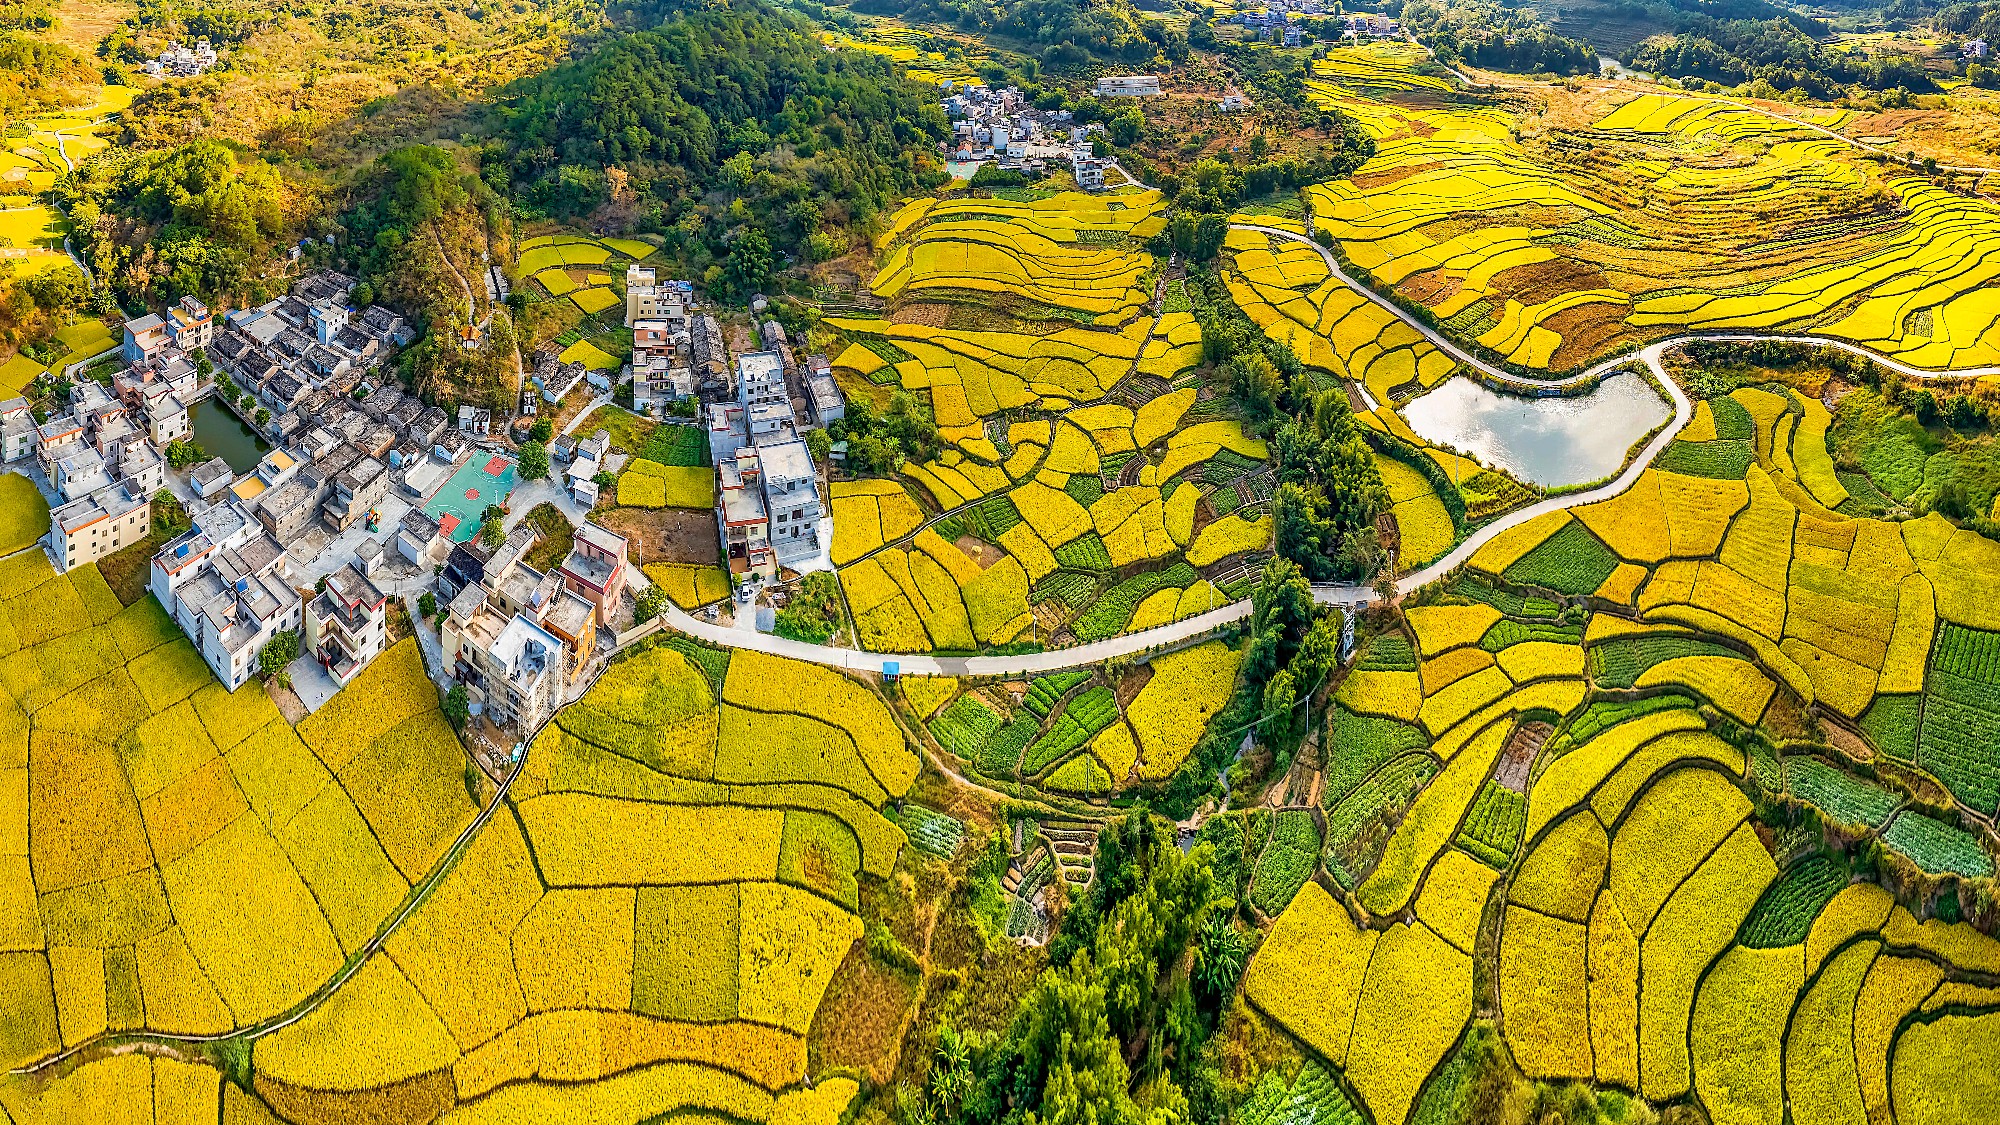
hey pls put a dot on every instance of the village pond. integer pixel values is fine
(224, 435)
(1553, 441)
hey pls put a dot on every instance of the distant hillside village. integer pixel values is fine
(1001, 127)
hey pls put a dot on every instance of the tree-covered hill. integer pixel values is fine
(718, 124)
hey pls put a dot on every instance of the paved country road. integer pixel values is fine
(1180, 632)
(1649, 357)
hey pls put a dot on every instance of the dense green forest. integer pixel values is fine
(1496, 37)
(1785, 52)
(1061, 32)
(35, 74)
(729, 129)
(190, 219)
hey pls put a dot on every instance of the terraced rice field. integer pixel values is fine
(183, 859)
(579, 269)
(595, 910)
(1080, 447)
(1650, 939)
(1551, 252)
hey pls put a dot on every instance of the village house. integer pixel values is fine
(346, 624)
(512, 667)
(92, 526)
(18, 433)
(226, 584)
(768, 508)
(1128, 86)
(595, 570)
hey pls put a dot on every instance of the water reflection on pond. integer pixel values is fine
(222, 434)
(1550, 441)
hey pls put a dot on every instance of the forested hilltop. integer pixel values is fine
(654, 128)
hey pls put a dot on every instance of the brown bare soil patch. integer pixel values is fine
(676, 535)
(1539, 281)
(861, 1021)
(1431, 287)
(931, 314)
(412, 1101)
(979, 550)
(1373, 180)
(1131, 683)
(1586, 331)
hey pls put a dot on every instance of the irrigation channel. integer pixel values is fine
(1648, 357)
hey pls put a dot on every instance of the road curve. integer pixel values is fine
(1128, 644)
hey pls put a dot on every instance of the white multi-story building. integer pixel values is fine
(226, 584)
(18, 433)
(189, 324)
(90, 527)
(1128, 86)
(791, 494)
(768, 510)
(346, 625)
(648, 298)
(512, 666)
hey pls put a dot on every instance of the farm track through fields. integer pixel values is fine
(1177, 633)
(113, 1043)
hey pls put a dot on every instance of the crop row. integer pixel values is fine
(1959, 739)
(1571, 561)
(1786, 912)
(1960, 743)
(1002, 752)
(1384, 794)
(1288, 861)
(1891, 723)
(1972, 654)
(1080, 721)
(1110, 612)
(1507, 632)
(1493, 829)
(1085, 552)
(1937, 847)
(1605, 714)
(1723, 459)
(1619, 663)
(1387, 652)
(1732, 420)
(932, 832)
(1071, 588)
(1359, 743)
(1314, 1097)
(1046, 691)
(1841, 796)
(965, 726)
(1506, 601)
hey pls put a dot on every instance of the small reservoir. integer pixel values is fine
(224, 435)
(1552, 441)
